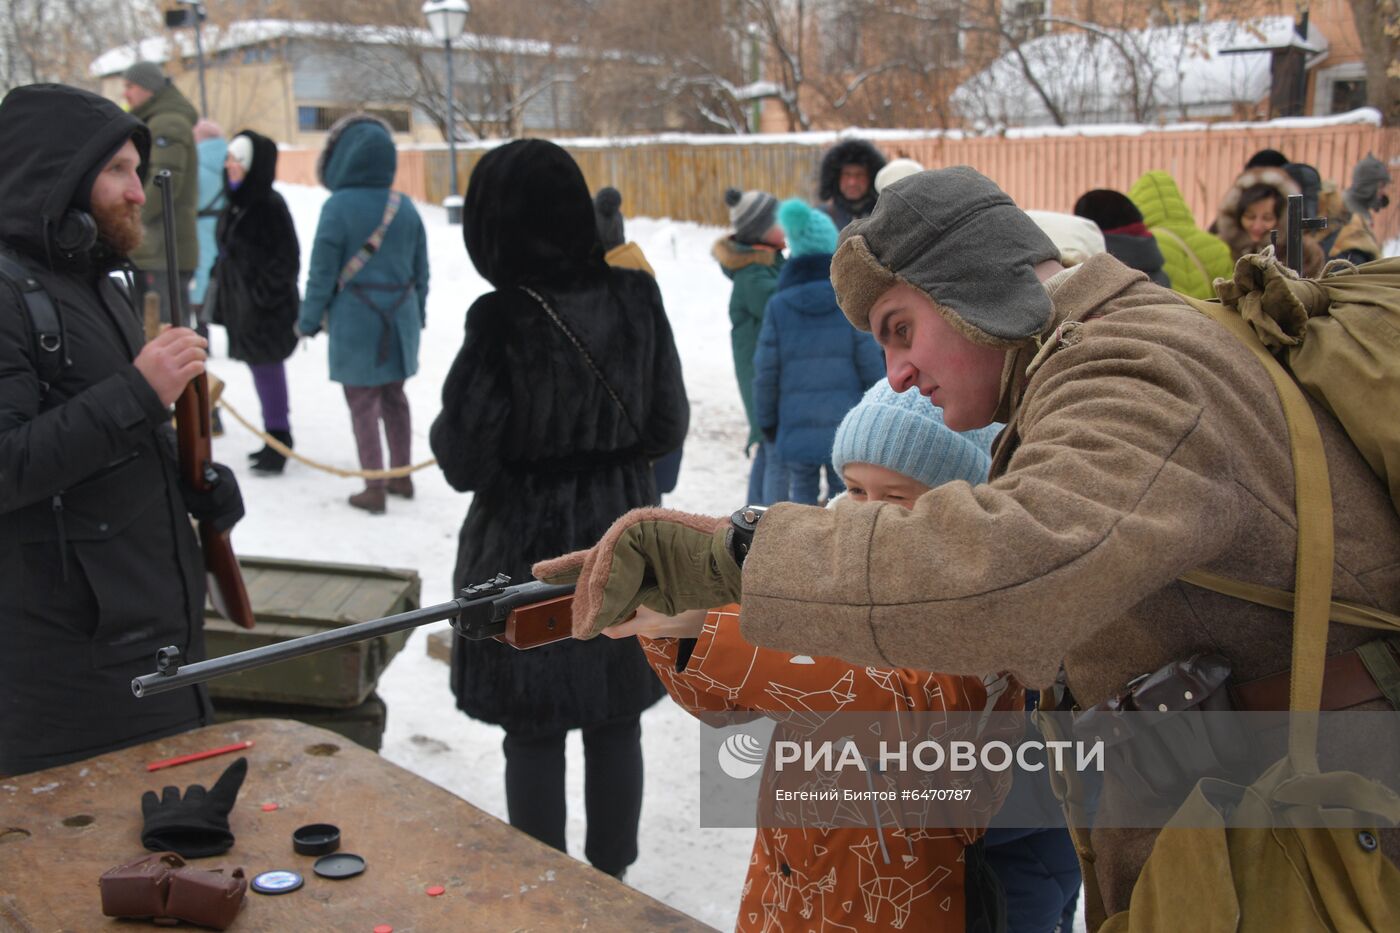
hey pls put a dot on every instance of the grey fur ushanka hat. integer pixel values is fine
(953, 235)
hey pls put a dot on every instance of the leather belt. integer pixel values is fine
(1346, 682)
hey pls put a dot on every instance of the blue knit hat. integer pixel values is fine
(904, 432)
(808, 230)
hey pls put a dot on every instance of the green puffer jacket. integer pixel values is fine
(754, 271)
(170, 118)
(1194, 258)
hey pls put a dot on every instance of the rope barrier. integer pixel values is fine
(291, 454)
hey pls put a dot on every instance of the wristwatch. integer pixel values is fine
(742, 525)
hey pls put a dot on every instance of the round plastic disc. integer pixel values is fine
(276, 882)
(339, 865)
(384, 928)
(435, 890)
(269, 807)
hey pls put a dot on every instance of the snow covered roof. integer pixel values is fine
(1276, 32)
(252, 32)
(1103, 75)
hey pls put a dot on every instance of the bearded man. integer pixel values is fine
(99, 566)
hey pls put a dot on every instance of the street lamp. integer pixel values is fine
(447, 19)
(176, 19)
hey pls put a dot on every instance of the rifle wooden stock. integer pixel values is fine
(194, 429)
(539, 624)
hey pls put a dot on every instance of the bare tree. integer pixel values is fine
(1378, 24)
(500, 78)
(56, 40)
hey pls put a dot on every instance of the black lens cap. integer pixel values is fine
(340, 865)
(276, 882)
(316, 839)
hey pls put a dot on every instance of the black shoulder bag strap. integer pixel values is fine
(49, 356)
(583, 351)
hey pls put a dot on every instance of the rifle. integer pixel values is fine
(195, 432)
(1297, 223)
(523, 616)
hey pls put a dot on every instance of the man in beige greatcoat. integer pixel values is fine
(1143, 442)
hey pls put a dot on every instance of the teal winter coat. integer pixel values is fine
(376, 321)
(754, 272)
(211, 204)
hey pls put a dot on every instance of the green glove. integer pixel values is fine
(665, 560)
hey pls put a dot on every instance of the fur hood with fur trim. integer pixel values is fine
(1227, 224)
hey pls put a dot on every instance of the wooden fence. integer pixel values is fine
(685, 180)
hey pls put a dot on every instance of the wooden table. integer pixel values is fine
(60, 829)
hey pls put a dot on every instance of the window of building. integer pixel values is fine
(1348, 94)
(313, 118)
(1025, 19)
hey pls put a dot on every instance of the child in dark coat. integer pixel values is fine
(811, 365)
(259, 261)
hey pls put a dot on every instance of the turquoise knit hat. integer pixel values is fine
(904, 432)
(808, 231)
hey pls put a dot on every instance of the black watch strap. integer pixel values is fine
(742, 525)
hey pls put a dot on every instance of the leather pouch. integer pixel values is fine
(208, 898)
(138, 888)
(1170, 741)
(161, 887)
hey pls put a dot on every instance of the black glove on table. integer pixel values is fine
(221, 505)
(195, 826)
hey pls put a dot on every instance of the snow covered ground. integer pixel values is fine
(303, 514)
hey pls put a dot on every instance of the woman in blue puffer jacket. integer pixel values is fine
(811, 366)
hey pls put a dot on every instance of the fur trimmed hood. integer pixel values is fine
(1227, 224)
(359, 153)
(733, 255)
(856, 151)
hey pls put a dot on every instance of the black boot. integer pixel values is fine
(270, 462)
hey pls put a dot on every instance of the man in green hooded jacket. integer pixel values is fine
(170, 117)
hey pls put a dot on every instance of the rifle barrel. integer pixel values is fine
(478, 612)
(200, 671)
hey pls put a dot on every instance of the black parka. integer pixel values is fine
(259, 262)
(531, 431)
(99, 566)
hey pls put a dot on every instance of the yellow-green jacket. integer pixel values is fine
(1194, 258)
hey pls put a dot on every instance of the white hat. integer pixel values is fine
(1077, 238)
(894, 171)
(241, 150)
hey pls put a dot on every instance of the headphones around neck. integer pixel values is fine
(76, 232)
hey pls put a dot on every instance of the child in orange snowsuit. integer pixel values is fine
(889, 448)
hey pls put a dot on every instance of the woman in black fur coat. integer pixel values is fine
(552, 459)
(255, 282)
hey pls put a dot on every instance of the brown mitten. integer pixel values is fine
(659, 558)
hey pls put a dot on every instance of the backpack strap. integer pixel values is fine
(1341, 611)
(44, 323)
(1172, 235)
(366, 252)
(1312, 590)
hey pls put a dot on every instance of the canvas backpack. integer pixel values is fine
(1276, 863)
